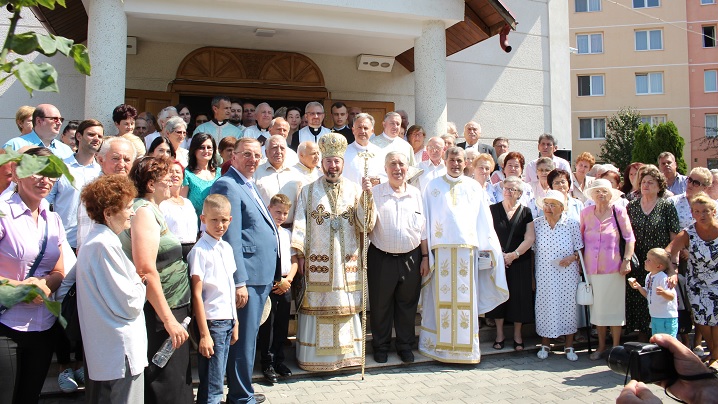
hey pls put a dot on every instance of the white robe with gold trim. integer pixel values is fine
(459, 229)
(327, 230)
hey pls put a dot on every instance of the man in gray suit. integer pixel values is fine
(254, 239)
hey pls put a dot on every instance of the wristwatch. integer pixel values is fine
(517, 253)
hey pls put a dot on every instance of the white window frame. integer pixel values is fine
(645, 4)
(707, 2)
(654, 120)
(706, 74)
(648, 40)
(588, 6)
(711, 128)
(591, 87)
(589, 40)
(648, 78)
(593, 135)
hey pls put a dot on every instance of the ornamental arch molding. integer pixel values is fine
(249, 73)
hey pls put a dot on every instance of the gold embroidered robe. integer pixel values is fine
(460, 286)
(327, 230)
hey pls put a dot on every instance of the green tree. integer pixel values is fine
(37, 76)
(643, 146)
(668, 139)
(620, 130)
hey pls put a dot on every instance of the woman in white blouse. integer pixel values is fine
(111, 296)
(179, 212)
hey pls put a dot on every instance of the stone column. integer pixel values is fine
(107, 44)
(430, 78)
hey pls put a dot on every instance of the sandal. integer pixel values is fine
(518, 346)
(570, 354)
(499, 344)
(543, 352)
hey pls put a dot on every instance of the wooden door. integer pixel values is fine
(152, 101)
(377, 109)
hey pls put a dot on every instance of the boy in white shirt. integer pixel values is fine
(212, 265)
(274, 330)
(662, 303)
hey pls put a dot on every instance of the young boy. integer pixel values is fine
(212, 265)
(274, 330)
(662, 302)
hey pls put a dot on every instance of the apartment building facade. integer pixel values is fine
(647, 54)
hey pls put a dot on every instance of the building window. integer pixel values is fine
(646, 3)
(709, 36)
(712, 163)
(592, 128)
(649, 40)
(585, 6)
(590, 85)
(711, 125)
(649, 83)
(589, 43)
(710, 81)
(653, 120)
(704, 2)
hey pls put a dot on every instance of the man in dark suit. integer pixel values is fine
(254, 239)
(472, 134)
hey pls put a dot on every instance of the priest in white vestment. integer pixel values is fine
(467, 275)
(327, 233)
(363, 130)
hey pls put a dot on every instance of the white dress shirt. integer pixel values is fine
(560, 163)
(397, 144)
(285, 180)
(181, 219)
(400, 221)
(431, 171)
(212, 261)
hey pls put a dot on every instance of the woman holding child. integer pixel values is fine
(157, 255)
(701, 240)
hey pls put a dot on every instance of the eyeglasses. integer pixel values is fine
(551, 205)
(512, 190)
(315, 113)
(694, 182)
(57, 119)
(434, 148)
(38, 178)
(543, 170)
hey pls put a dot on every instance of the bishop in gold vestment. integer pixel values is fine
(328, 224)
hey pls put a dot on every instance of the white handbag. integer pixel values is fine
(584, 291)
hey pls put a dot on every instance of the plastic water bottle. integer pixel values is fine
(166, 350)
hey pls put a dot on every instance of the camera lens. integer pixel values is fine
(618, 360)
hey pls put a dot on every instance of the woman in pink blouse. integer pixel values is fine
(26, 224)
(605, 267)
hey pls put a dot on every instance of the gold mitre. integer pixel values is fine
(333, 144)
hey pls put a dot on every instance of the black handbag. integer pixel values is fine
(622, 243)
(685, 320)
(69, 313)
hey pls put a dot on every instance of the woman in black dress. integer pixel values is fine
(655, 223)
(519, 309)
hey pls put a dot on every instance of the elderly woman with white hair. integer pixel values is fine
(558, 240)
(603, 225)
(698, 180)
(176, 130)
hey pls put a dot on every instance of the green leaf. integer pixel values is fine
(82, 58)
(12, 295)
(47, 3)
(10, 155)
(46, 44)
(41, 77)
(30, 165)
(24, 43)
(63, 45)
(56, 168)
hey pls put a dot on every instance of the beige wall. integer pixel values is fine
(620, 62)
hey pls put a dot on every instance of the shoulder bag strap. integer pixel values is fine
(583, 266)
(41, 254)
(513, 221)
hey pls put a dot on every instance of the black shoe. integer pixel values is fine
(270, 375)
(381, 357)
(406, 356)
(259, 398)
(282, 370)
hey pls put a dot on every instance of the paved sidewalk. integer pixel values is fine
(505, 378)
(516, 378)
